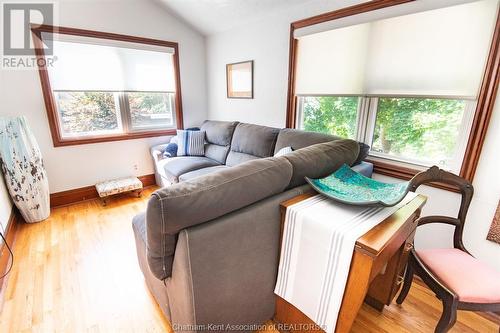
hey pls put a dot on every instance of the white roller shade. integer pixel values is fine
(436, 52)
(148, 70)
(100, 65)
(439, 52)
(376, 15)
(333, 61)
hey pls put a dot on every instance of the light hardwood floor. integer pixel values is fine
(78, 272)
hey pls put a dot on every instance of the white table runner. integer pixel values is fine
(316, 252)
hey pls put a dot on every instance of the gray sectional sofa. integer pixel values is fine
(208, 242)
(232, 143)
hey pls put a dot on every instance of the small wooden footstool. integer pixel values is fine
(111, 187)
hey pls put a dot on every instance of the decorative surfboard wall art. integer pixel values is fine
(494, 233)
(22, 166)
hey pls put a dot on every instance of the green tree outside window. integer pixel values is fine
(331, 115)
(424, 129)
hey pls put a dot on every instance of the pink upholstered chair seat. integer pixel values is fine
(467, 277)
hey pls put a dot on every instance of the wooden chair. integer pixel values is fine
(459, 280)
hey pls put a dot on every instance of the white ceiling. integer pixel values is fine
(213, 16)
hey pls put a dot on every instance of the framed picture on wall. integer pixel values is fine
(239, 78)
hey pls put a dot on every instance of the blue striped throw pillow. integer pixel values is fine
(190, 143)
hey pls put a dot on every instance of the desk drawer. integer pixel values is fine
(390, 266)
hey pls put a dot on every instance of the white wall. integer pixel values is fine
(266, 42)
(83, 165)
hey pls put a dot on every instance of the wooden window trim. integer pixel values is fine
(48, 95)
(482, 114)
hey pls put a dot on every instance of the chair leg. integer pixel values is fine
(406, 284)
(449, 315)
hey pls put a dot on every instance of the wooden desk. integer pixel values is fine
(376, 271)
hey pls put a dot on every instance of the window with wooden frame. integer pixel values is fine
(417, 84)
(417, 131)
(104, 87)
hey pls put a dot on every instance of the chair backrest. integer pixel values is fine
(436, 175)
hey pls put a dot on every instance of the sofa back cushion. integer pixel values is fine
(298, 139)
(320, 160)
(218, 137)
(196, 201)
(251, 142)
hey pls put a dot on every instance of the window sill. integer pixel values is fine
(397, 170)
(59, 142)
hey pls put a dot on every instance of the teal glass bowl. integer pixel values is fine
(350, 187)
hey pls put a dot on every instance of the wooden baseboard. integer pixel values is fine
(88, 192)
(10, 236)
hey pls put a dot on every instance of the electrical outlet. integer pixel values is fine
(136, 167)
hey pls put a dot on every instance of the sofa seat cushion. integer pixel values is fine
(180, 165)
(201, 172)
(469, 278)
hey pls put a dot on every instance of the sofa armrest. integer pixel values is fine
(364, 168)
(157, 151)
(225, 271)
